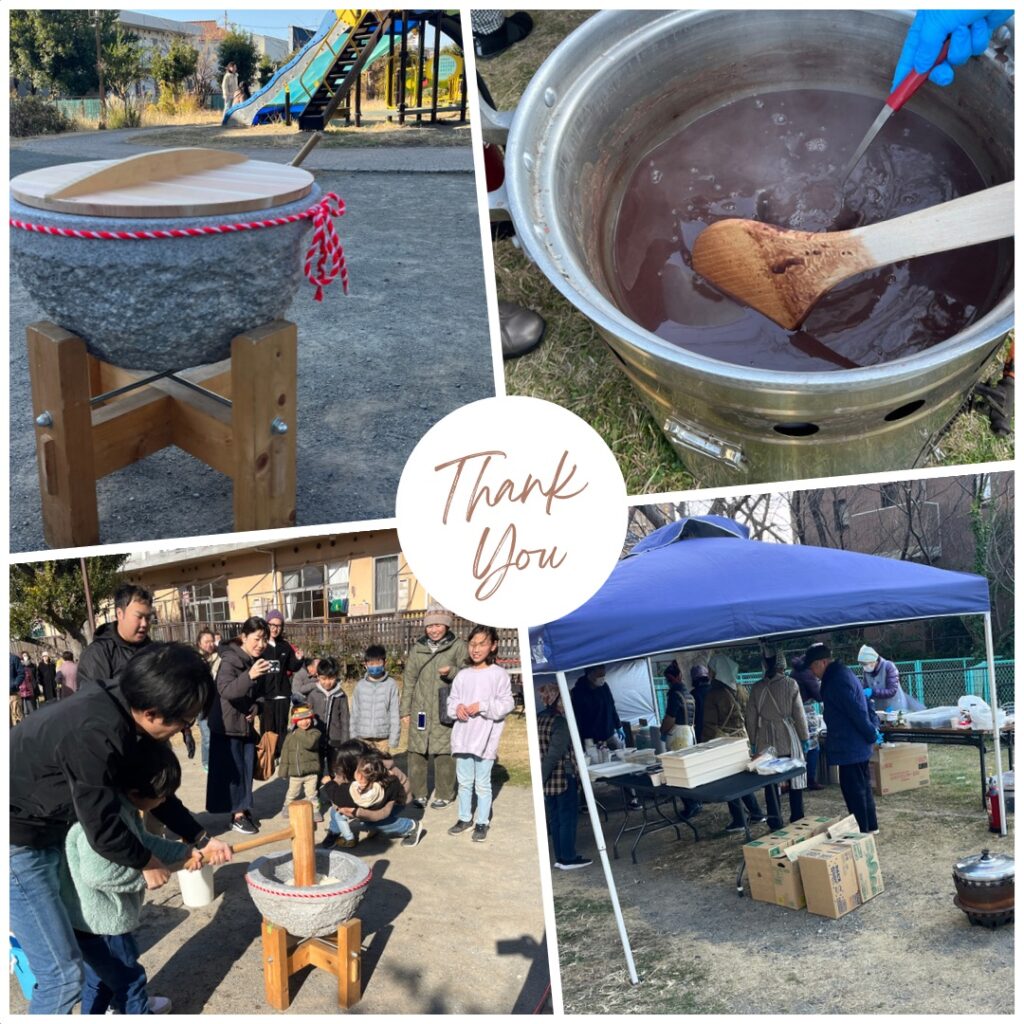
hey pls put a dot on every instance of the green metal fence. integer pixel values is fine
(936, 682)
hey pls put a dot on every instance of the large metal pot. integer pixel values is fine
(600, 101)
(985, 882)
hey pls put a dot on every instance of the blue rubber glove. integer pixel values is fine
(806, 744)
(868, 692)
(970, 31)
(879, 739)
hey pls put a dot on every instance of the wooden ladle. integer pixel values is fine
(783, 273)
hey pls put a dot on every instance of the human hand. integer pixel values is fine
(968, 33)
(298, 653)
(461, 713)
(879, 739)
(216, 851)
(326, 778)
(195, 861)
(405, 719)
(349, 812)
(156, 873)
(806, 744)
(868, 692)
(473, 709)
(260, 667)
(444, 670)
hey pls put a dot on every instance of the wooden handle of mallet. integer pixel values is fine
(251, 844)
(300, 832)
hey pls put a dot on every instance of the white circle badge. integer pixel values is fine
(511, 511)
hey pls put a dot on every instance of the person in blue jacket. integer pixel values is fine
(851, 733)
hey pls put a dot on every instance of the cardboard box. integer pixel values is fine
(772, 866)
(829, 876)
(865, 859)
(895, 767)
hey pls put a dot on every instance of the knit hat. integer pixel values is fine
(698, 673)
(301, 711)
(435, 615)
(816, 652)
(274, 614)
(373, 794)
(867, 655)
(549, 694)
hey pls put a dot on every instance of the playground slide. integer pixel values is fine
(302, 74)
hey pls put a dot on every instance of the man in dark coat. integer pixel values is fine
(66, 764)
(116, 643)
(47, 676)
(594, 707)
(851, 734)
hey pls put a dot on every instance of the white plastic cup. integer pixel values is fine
(196, 886)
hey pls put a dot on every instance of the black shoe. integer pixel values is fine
(419, 802)
(735, 826)
(439, 803)
(328, 841)
(479, 833)
(413, 837)
(572, 865)
(244, 825)
(757, 819)
(634, 804)
(516, 27)
(459, 827)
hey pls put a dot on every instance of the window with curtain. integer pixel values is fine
(385, 584)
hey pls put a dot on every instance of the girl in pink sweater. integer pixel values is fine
(480, 698)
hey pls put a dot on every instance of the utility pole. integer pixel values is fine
(99, 71)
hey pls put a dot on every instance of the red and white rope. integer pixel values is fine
(325, 249)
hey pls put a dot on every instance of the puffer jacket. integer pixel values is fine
(375, 707)
(421, 683)
(107, 655)
(300, 754)
(236, 692)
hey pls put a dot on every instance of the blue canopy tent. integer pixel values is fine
(701, 582)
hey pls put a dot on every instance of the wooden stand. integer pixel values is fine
(285, 955)
(252, 440)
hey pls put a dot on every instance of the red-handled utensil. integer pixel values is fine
(896, 99)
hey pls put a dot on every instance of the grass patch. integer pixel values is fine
(594, 976)
(575, 368)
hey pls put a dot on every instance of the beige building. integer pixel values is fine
(317, 579)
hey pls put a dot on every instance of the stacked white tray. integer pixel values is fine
(706, 762)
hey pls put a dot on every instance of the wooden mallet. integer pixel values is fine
(300, 832)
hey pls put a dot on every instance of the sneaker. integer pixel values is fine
(479, 833)
(252, 821)
(242, 825)
(328, 842)
(419, 802)
(459, 827)
(634, 804)
(347, 844)
(159, 1004)
(572, 865)
(413, 837)
(439, 803)
(735, 826)
(757, 819)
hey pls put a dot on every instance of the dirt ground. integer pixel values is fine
(450, 926)
(701, 949)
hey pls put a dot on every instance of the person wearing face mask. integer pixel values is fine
(882, 683)
(432, 663)
(594, 707)
(376, 714)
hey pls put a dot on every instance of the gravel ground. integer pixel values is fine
(376, 368)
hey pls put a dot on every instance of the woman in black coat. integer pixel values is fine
(232, 761)
(276, 685)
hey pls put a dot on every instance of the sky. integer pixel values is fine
(267, 23)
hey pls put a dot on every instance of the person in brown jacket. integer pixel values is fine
(775, 718)
(724, 709)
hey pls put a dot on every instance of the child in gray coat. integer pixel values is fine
(376, 703)
(104, 899)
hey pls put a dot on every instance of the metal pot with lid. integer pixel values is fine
(159, 260)
(608, 93)
(984, 884)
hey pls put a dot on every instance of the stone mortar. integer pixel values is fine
(309, 910)
(162, 304)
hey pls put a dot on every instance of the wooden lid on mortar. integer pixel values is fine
(186, 182)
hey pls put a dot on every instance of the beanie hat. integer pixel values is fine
(867, 655)
(274, 614)
(698, 673)
(816, 652)
(301, 711)
(435, 615)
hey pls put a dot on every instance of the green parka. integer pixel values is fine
(420, 685)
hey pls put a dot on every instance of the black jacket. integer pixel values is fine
(106, 655)
(279, 683)
(236, 693)
(47, 673)
(17, 674)
(64, 759)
